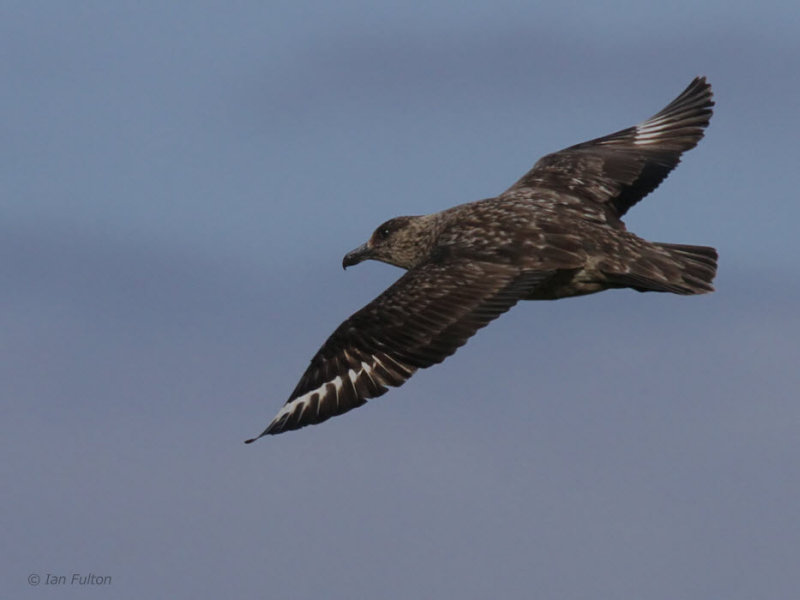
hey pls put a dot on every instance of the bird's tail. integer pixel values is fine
(674, 268)
(699, 267)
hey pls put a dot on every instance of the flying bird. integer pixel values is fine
(555, 233)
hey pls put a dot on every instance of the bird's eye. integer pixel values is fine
(383, 232)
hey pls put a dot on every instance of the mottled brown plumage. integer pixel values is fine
(555, 233)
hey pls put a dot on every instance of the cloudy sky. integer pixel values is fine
(178, 184)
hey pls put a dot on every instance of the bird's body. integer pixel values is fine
(556, 233)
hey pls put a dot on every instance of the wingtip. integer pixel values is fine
(258, 437)
(699, 88)
(267, 431)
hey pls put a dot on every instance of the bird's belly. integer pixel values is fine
(568, 282)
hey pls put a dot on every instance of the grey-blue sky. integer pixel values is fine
(178, 186)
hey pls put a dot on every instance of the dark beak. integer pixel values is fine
(356, 256)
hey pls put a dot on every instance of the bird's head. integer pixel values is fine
(403, 242)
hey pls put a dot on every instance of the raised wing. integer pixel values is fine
(419, 321)
(620, 169)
